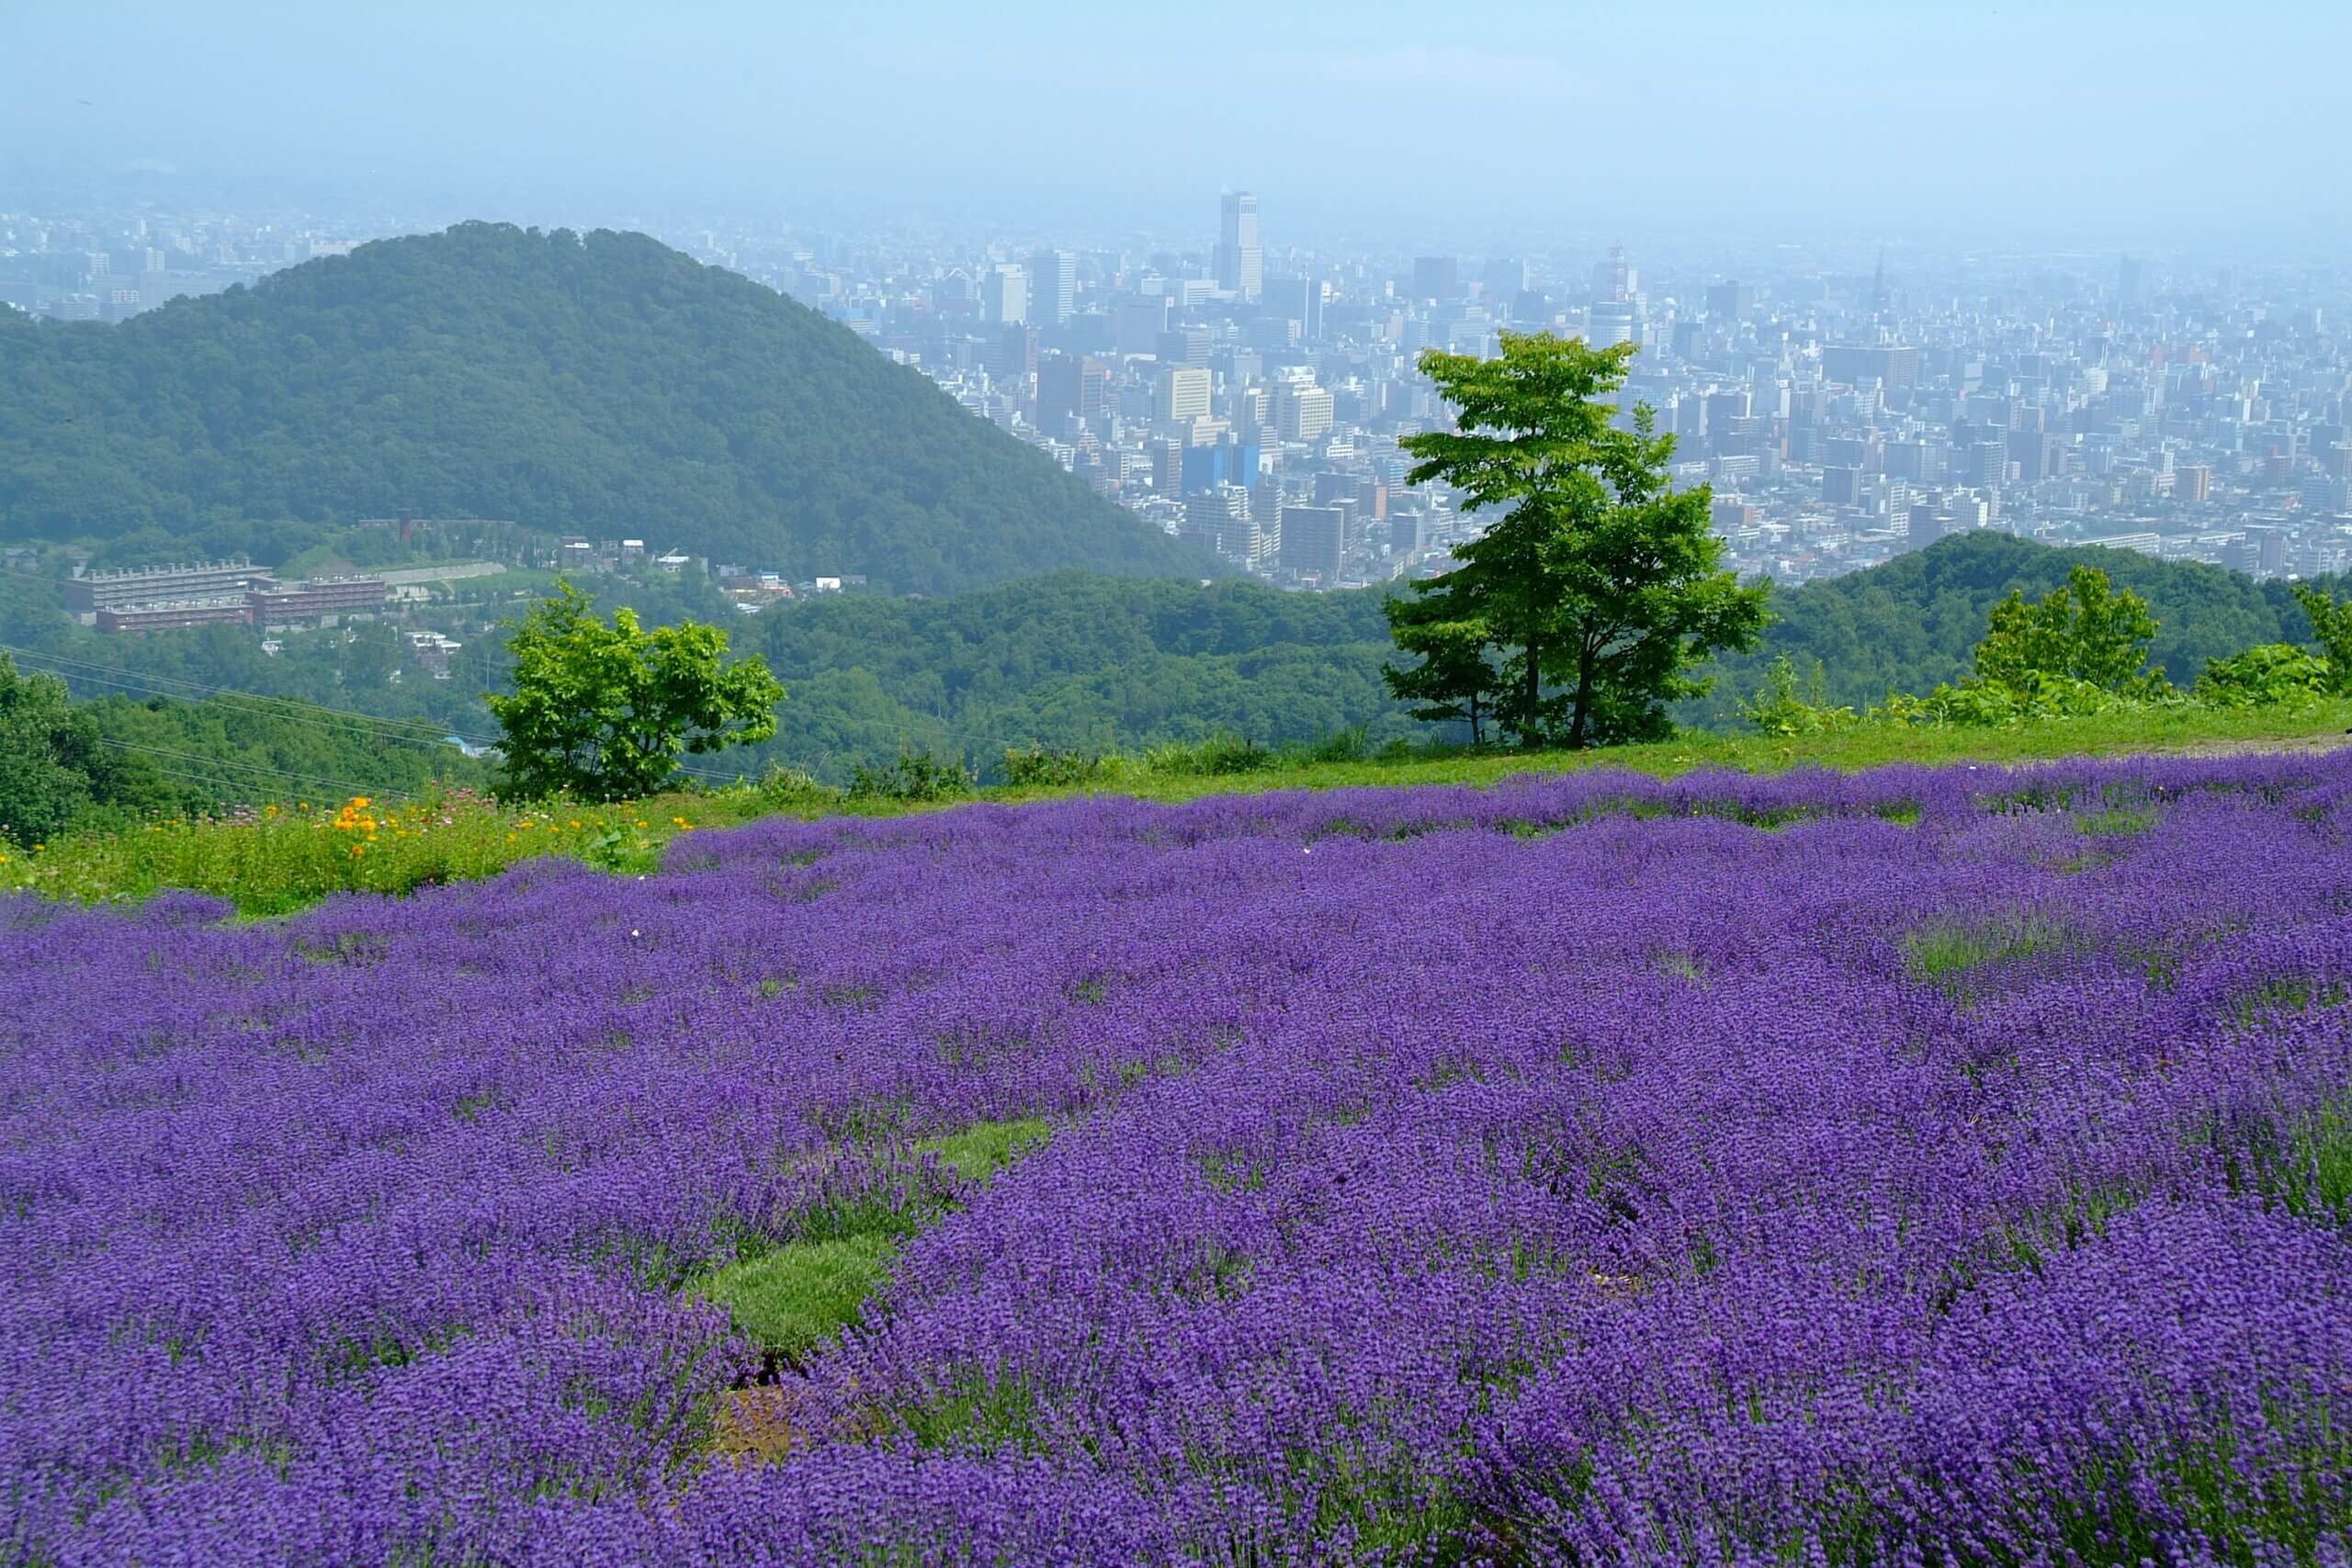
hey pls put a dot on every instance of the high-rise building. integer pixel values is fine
(1987, 462)
(1014, 353)
(1730, 301)
(1314, 540)
(1240, 262)
(1503, 281)
(1052, 279)
(1221, 517)
(1301, 411)
(1136, 323)
(1890, 365)
(2127, 283)
(1071, 387)
(1182, 393)
(1436, 278)
(1612, 276)
(1300, 300)
(1609, 321)
(1004, 294)
(1184, 345)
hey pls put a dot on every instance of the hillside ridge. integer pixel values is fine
(596, 383)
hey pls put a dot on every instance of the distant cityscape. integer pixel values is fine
(1251, 397)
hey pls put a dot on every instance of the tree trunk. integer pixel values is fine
(1583, 699)
(1530, 696)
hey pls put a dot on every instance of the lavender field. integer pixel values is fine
(1916, 1167)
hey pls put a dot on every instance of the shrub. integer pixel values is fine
(1342, 746)
(2268, 673)
(1213, 758)
(915, 776)
(1783, 706)
(1051, 767)
(788, 789)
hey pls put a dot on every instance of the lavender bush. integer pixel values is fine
(1920, 1166)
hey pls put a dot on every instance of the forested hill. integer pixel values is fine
(602, 384)
(1916, 620)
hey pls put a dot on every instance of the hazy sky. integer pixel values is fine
(2124, 122)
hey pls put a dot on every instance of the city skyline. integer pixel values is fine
(1250, 394)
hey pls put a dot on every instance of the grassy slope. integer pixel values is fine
(1868, 746)
(287, 858)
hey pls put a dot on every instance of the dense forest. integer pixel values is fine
(1916, 620)
(602, 384)
(1075, 661)
(1072, 661)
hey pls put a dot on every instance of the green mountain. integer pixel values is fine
(600, 384)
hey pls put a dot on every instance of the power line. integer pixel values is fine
(318, 715)
(228, 763)
(153, 684)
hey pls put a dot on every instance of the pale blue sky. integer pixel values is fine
(2096, 120)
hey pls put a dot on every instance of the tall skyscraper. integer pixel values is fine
(1240, 262)
(1436, 278)
(2127, 283)
(1004, 294)
(1071, 387)
(1053, 282)
(1300, 300)
(1612, 277)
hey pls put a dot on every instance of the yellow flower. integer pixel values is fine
(358, 850)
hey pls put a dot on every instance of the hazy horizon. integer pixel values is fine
(2101, 126)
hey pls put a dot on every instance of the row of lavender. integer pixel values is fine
(1917, 1166)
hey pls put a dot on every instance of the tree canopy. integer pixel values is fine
(602, 384)
(1600, 585)
(2082, 630)
(606, 712)
(56, 768)
(1913, 623)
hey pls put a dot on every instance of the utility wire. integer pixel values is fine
(100, 674)
(317, 714)
(228, 762)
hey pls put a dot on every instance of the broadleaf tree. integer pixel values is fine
(606, 711)
(1599, 586)
(2332, 629)
(56, 768)
(1456, 680)
(2084, 631)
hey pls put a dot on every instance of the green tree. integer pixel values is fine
(1597, 579)
(1456, 680)
(2084, 631)
(2332, 629)
(55, 769)
(606, 711)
